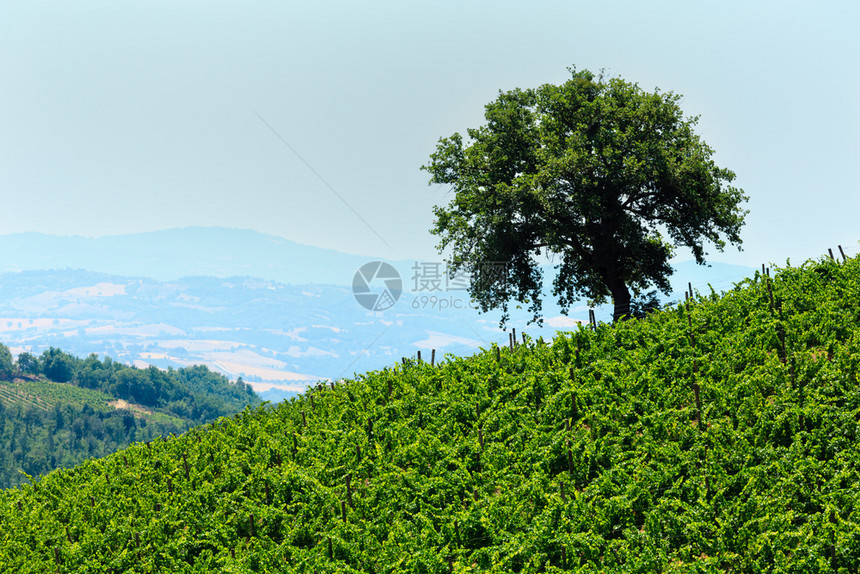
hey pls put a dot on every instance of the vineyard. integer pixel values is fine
(44, 395)
(716, 435)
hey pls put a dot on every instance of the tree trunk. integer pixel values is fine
(621, 298)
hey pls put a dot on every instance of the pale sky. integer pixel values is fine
(133, 116)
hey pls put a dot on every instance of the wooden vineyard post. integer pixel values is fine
(695, 386)
(707, 484)
(830, 252)
(776, 308)
(514, 337)
(690, 323)
(433, 357)
(770, 295)
(304, 419)
(844, 258)
(419, 356)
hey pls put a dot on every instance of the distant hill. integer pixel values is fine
(175, 253)
(220, 252)
(717, 435)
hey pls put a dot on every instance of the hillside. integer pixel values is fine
(718, 435)
(64, 410)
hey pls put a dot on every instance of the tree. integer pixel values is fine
(603, 178)
(57, 365)
(7, 368)
(28, 364)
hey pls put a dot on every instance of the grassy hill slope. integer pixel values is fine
(720, 435)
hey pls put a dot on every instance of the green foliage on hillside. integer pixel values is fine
(73, 412)
(6, 366)
(720, 435)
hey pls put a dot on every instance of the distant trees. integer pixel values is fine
(28, 364)
(92, 373)
(57, 365)
(7, 368)
(195, 392)
(136, 386)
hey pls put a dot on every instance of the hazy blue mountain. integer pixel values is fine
(174, 253)
(221, 252)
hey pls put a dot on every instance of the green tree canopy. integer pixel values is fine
(57, 365)
(600, 176)
(7, 368)
(28, 363)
